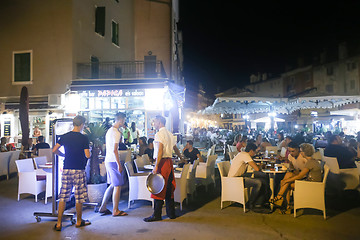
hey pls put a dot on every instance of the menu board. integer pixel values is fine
(7, 128)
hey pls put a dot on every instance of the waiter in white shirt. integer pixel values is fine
(164, 144)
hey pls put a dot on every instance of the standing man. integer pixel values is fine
(76, 154)
(114, 168)
(164, 144)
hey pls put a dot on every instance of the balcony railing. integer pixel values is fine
(118, 70)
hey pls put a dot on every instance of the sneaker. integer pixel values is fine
(152, 218)
(261, 210)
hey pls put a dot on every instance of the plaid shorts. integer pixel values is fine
(73, 178)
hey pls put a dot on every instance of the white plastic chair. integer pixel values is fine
(191, 181)
(146, 159)
(4, 163)
(125, 155)
(46, 152)
(139, 164)
(348, 178)
(232, 148)
(232, 188)
(181, 186)
(40, 161)
(14, 157)
(27, 178)
(232, 155)
(205, 173)
(137, 185)
(311, 194)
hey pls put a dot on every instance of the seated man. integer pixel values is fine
(150, 149)
(191, 152)
(40, 145)
(345, 158)
(261, 192)
(297, 161)
(3, 145)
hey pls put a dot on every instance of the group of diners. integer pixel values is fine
(302, 166)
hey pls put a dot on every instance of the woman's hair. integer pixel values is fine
(281, 136)
(237, 138)
(144, 140)
(133, 126)
(308, 149)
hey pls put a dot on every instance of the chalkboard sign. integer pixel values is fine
(7, 127)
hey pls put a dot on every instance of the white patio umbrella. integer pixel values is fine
(268, 119)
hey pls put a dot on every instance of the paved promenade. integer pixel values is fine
(201, 219)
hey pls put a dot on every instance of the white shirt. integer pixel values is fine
(298, 163)
(239, 164)
(166, 138)
(112, 137)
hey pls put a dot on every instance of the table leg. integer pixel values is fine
(271, 182)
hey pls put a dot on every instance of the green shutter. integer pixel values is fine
(22, 68)
(115, 33)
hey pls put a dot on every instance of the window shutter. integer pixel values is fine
(22, 66)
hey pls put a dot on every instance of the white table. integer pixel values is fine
(272, 174)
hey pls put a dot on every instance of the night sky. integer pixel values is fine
(226, 41)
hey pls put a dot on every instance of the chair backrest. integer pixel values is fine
(321, 150)
(233, 154)
(213, 149)
(46, 152)
(326, 173)
(139, 163)
(224, 168)
(272, 149)
(210, 166)
(232, 148)
(208, 153)
(25, 165)
(129, 169)
(146, 159)
(332, 164)
(40, 161)
(125, 155)
(192, 173)
(283, 152)
(185, 172)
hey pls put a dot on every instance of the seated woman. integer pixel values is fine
(150, 149)
(311, 172)
(240, 146)
(142, 145)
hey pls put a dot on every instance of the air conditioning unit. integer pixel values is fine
(56, 99)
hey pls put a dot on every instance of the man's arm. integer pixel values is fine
(254, 166)
(87, 153)
(200, 157)
(56, 150)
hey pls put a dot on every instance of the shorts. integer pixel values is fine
(73, 178)
(114, 177)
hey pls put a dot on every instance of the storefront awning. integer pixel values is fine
(109, 84)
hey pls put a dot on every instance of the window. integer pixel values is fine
(22, 67)
(330, 71)
(329, 88)
(351, 66)
(352, 84)
(115, 33)
(100, 20)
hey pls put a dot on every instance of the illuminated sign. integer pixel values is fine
(114, 93)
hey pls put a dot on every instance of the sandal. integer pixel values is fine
(120, 214)
(278, 200)
(106, 212)
(56, 228)
(83, 223)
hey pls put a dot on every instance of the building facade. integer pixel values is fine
(92, 57)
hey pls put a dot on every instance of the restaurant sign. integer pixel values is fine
(114, 93)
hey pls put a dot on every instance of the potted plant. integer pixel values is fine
(96, 183)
